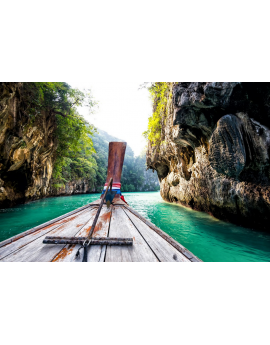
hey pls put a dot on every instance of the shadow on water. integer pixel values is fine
(205, 236)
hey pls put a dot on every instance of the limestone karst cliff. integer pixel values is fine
(28, 147)
(213, 151)
(48, 149)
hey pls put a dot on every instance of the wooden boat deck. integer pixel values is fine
(150, 244)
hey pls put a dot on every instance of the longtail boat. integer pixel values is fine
(106, 230)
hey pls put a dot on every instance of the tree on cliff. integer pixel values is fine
(55, 103)
(161, 96)
(45, 143)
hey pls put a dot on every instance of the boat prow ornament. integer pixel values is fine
(112, 190)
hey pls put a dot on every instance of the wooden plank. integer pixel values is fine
(121, 226)
(23, 241)
(103, 241)
(95, 253)
(165, 236)
(162, 249)
(37, 251)
(36, 228)
(95, 203)
(119, 202)
(103, 254)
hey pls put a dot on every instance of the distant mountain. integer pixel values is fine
(135, 178)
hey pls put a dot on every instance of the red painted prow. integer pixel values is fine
(115, 164)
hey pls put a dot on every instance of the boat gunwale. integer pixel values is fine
(179, 247)
(189, 255)
(41, 226)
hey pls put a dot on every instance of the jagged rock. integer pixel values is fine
(22, 143)
(214, 152)
(80, 186)
(227, 149)
(19, 157)
(27, 153)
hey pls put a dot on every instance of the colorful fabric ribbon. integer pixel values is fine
(116, 187)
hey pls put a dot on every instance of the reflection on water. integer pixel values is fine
(205, 236)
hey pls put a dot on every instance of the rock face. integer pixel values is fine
(27, 152)
(214, 152)
(80, 186)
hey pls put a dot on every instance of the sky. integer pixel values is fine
(123, 110)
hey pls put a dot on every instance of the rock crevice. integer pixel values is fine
(27, 152)
(214, 156)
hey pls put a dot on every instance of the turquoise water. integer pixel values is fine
(205, 236)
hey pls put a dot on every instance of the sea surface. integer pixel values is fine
(206, 237)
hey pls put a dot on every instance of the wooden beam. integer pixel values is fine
(25, 240)
(161, 233)
(39, 252)
(109, 241)
(122, 226)
(162, 249)
(36, 228)
(95, 253)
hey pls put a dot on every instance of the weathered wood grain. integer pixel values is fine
(121, 226)
(102, 241)
(117, 221)
(37, 251)
(36, 228)
(162, 249)
(96, 202)
(165, 236)
(95, 253)
(23, 241)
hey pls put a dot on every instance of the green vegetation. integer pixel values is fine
(23, 144)
(81, 153)
(161, 95)
(58, 185)
(57, 103)
(135, 178)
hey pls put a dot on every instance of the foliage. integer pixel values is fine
(55, 98)
(81, 153)
(101, 156)
(58, 185)
(161, 95)
(135, 178)
(58, 102)
(74, 141)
